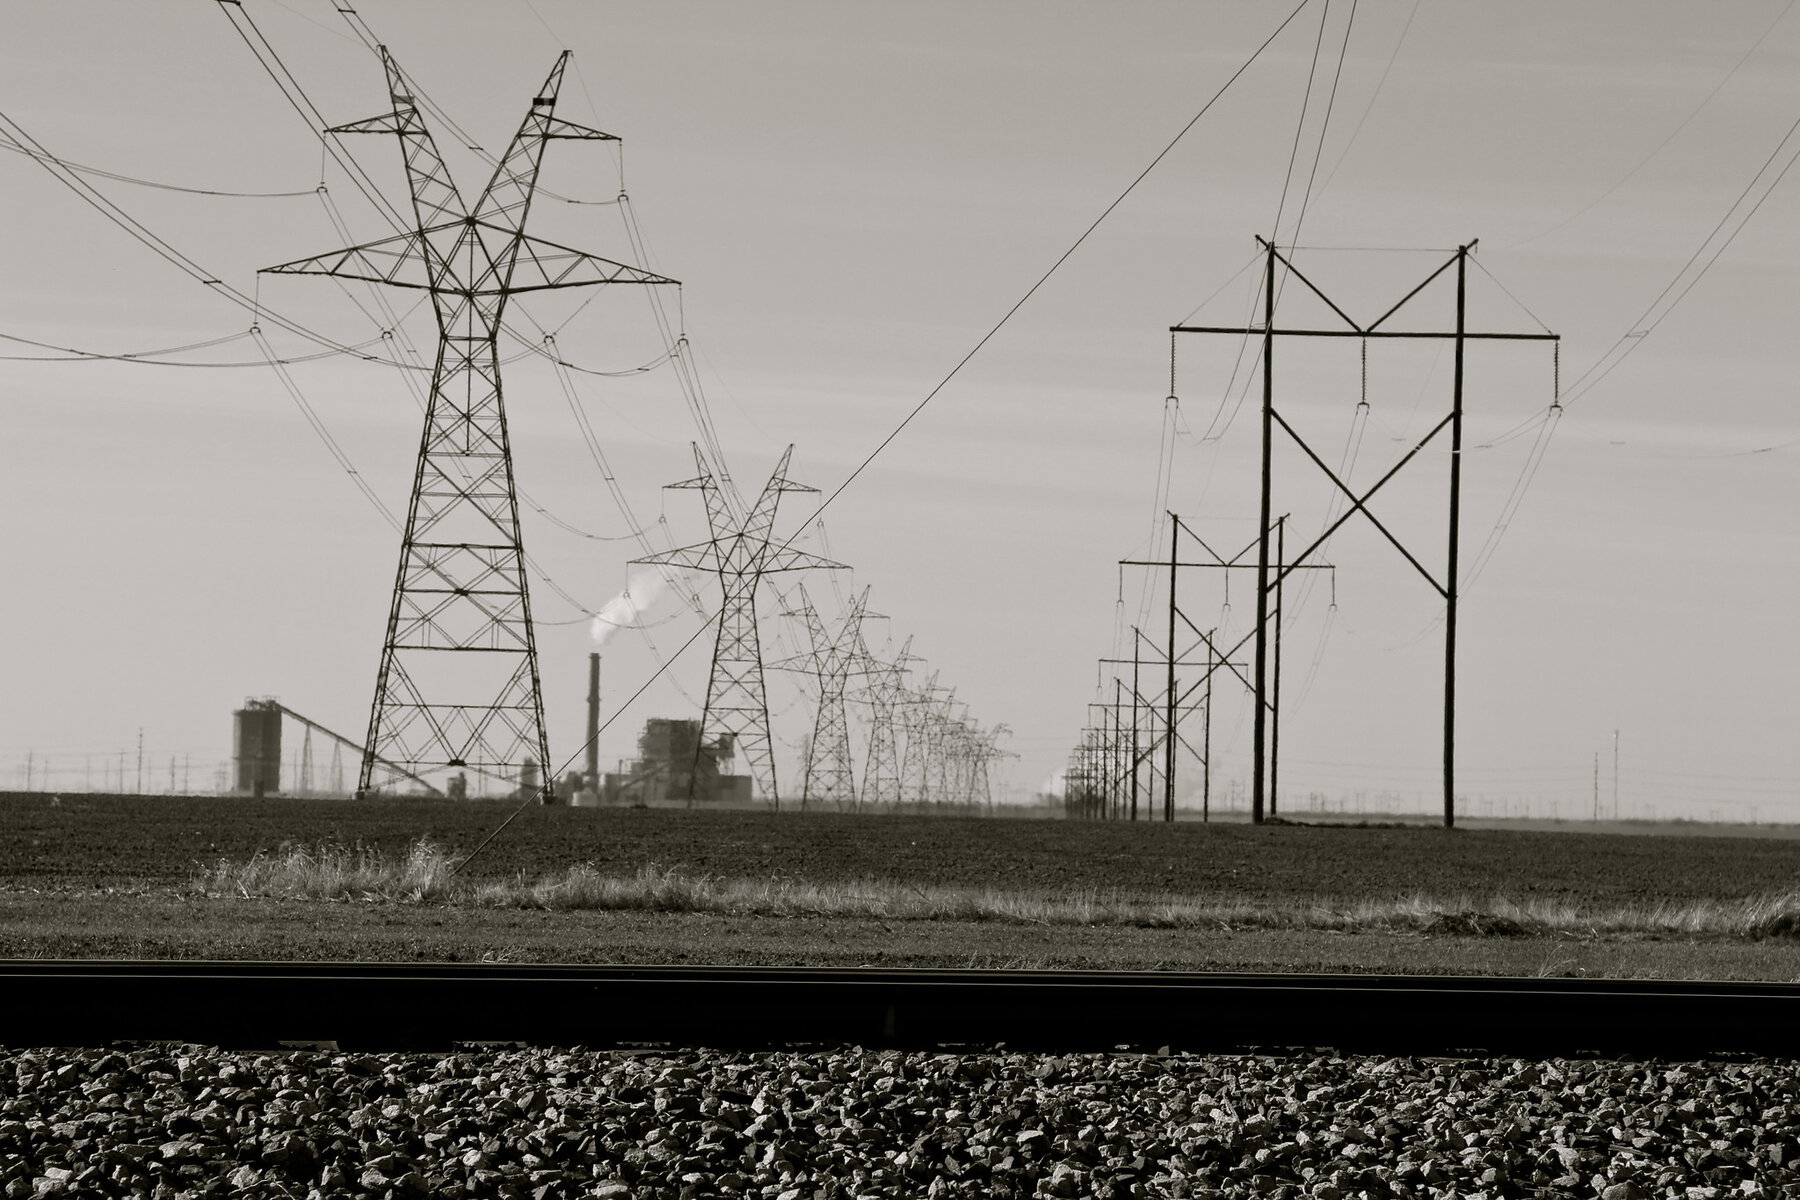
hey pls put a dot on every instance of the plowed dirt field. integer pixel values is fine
(101, 841)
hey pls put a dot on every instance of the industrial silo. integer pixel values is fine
(256, 747)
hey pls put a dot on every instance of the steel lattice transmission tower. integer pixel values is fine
(885, 693)
(740, 552)
(922, 714)
(458, 685)
(830, 661)
(984, 750)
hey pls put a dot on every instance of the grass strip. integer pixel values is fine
(424, 875)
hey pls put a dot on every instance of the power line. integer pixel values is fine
(308, 112)
(163, 249)
(1060, 260)
(72, 355)
(318, 428)
(1673, 133)
(9, 144)
(1373, 96)
(1325, 122)
(1676, 289)
(1287, 178)
(1629, 341)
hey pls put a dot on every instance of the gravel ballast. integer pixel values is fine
(176, 1121)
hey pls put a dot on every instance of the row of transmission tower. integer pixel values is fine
(922, 747)
(458, 689)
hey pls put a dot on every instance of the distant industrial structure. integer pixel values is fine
(256, 748)
(673, 766)
(256, 732)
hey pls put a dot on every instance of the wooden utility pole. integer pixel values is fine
(1454, 552)
(1135, 756)
(1169, 694)
(1260, 730)
(1206, 750)
(1275, 682)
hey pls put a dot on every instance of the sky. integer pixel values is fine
(853, 197)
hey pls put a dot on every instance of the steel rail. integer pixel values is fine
(438, 1005)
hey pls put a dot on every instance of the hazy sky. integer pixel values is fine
(852, 196)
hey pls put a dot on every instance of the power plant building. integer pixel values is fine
(673, 766)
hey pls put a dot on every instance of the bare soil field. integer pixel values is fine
(112, 841)
(106, 876)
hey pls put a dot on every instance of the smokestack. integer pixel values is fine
(593, 724)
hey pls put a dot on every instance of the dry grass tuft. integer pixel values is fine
(425, 874)
(338, 873)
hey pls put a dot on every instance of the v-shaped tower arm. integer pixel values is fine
(718, 513)
(507, 198)
(817, 636)
(815, 658)
(450, 251)
(434, 195)
(848, 646)
(761, 518)
(702, 556)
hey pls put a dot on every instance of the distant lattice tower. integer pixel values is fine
(884, 693)
(940, 736)
(915, 763)
(830, 660)
(958, 761)
(981, 788)
(458, 686)
(741, 553)
(985, 750)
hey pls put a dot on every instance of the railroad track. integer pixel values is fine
(436, 1005)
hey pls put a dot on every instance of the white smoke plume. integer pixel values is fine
(627, 609)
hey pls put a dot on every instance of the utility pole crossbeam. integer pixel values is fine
(1141, 752)
(1268, 586)
(458, 685)
(1216, 658)
(740, 552)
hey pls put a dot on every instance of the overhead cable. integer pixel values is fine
(164, 250)
(1671, 136)
(1693, 270)
(1060, 260)
(9, 144)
